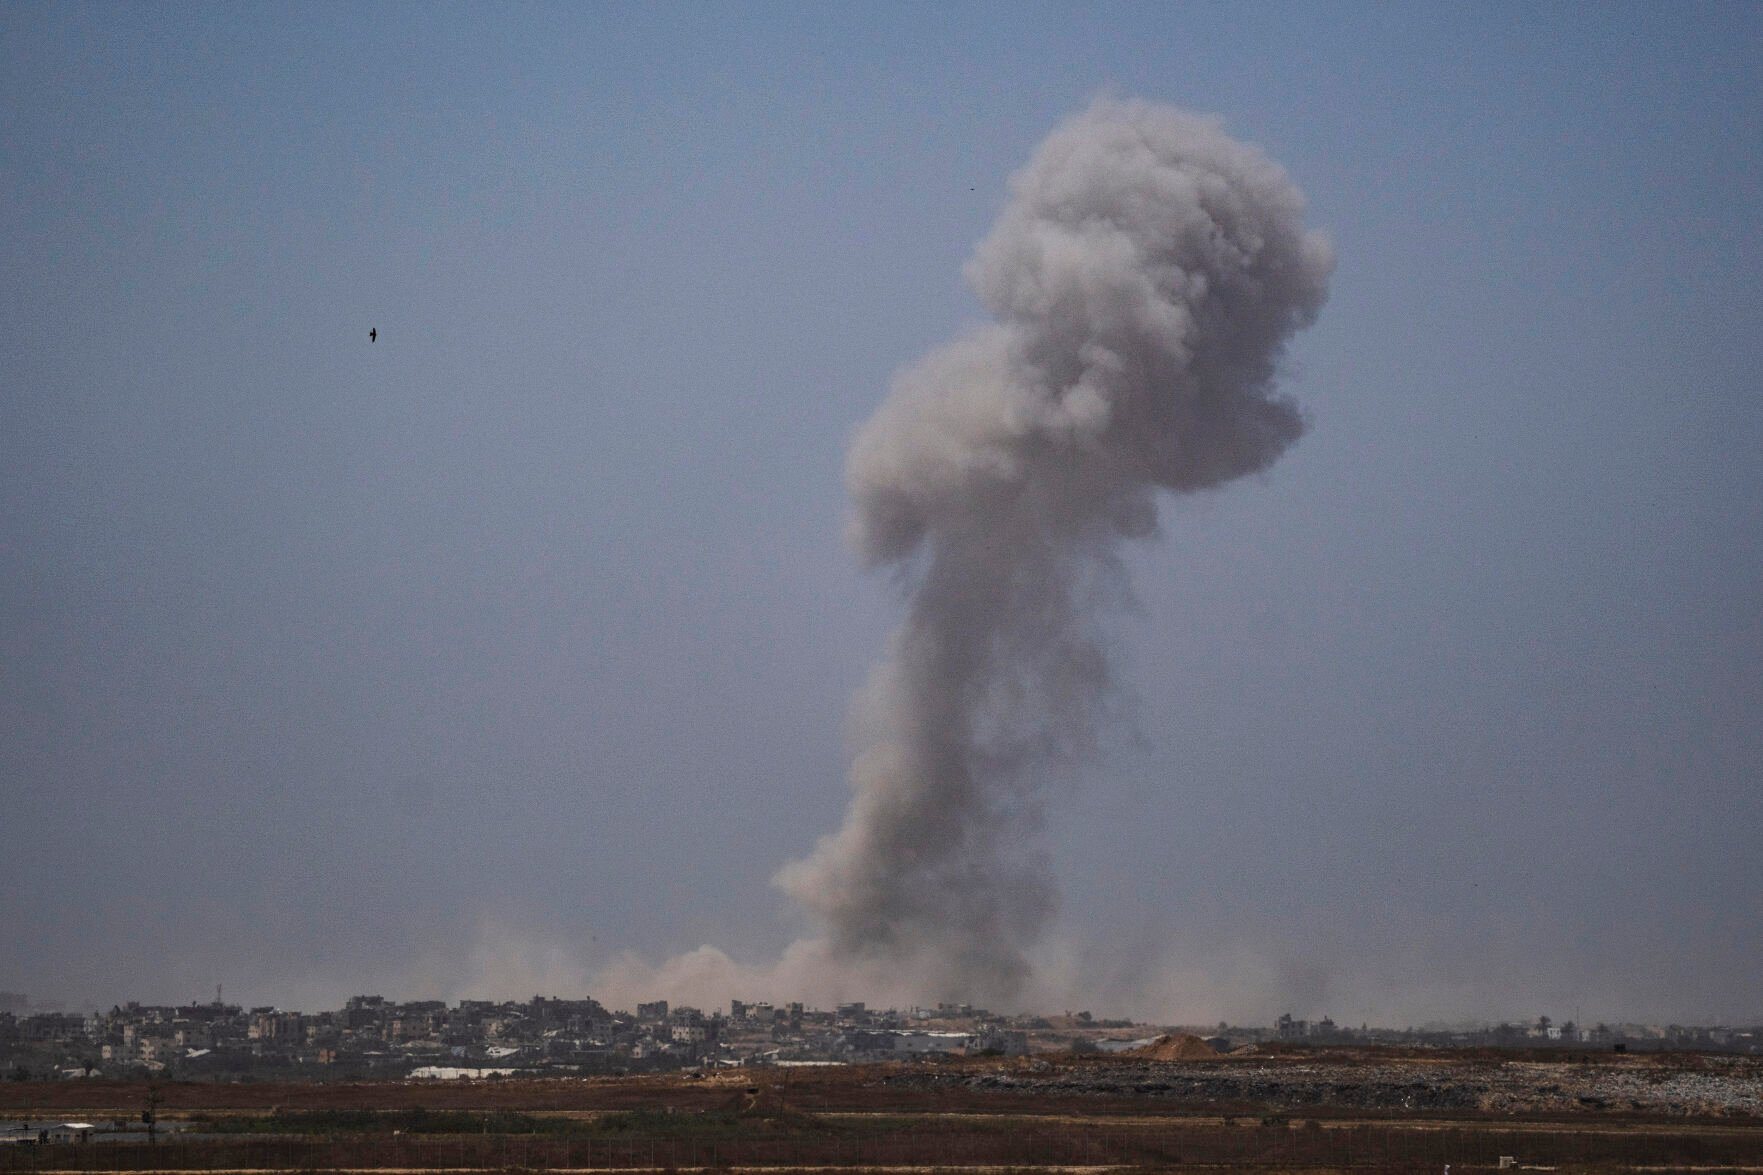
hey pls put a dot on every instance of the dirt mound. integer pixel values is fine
(757, 1101)
(1186, 1047)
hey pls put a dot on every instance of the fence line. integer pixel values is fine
(1380, 1147)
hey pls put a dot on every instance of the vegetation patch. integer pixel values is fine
(642, 1123)
(412, 1121)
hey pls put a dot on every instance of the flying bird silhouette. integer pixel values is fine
(373, 334)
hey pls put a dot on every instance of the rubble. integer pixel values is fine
(1712, 1086)
(1185, 1047)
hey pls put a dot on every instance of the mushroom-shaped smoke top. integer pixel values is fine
(1144, 277)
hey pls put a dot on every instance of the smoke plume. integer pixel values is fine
(1144, 277)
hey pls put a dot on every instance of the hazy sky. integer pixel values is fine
(465, 660)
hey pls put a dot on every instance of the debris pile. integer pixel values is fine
(1185, 1047)
(1163, 1070)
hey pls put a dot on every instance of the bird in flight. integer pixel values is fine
(373, 334)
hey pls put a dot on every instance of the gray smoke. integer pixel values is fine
(1144, 276)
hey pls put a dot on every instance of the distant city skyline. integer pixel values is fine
(1541, 1026)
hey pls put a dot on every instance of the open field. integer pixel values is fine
(1322, 1109)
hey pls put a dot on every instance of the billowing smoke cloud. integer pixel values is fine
(1144, 278)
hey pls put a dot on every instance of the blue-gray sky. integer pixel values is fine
(467, 659)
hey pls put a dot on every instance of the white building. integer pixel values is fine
(931, 1042)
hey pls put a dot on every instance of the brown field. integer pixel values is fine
(1313, 1110)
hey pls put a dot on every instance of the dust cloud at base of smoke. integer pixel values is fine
(502, 962)
(1156, 975)
(1231, 982)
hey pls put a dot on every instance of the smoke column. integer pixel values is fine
(1144, 277)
